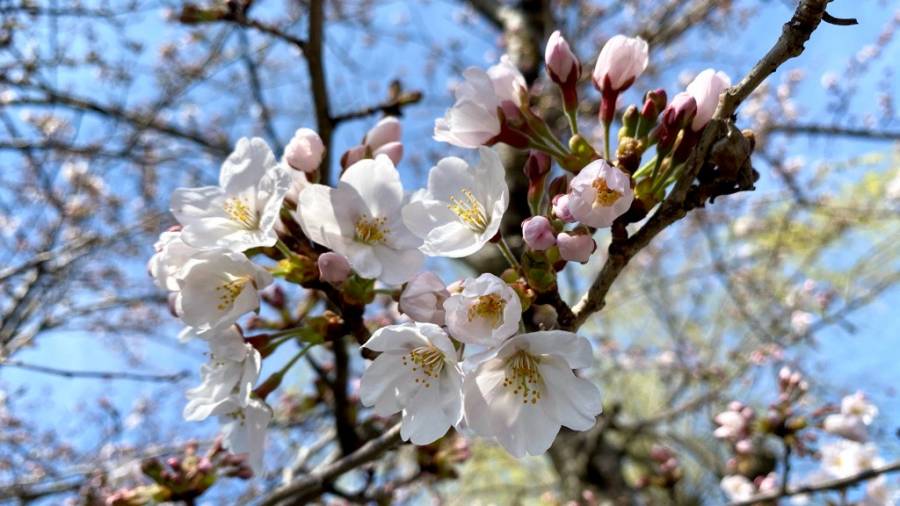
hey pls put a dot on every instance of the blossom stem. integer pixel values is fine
(508, 254)
(573, 121)
(282, 247)
(654, 162)
(607, 127)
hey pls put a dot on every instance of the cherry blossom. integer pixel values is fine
(845, 458)
(171, 255)
(244, 430)
(599, 194)
(360, 219)
(522, 394)
(241, 212)
(228, 378)
(217, 287)
(474, 120)
(461, 209)
(486, 312)
(416, 373)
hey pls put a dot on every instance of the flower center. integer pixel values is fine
(426, 360)
(524, 377)
(605, 196)
(371, 230)
(230, 290)
(490, 307)
(470, 211)
(239, 211)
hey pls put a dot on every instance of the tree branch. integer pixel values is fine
(106, 375)
(682, 199)
(838, 484)
(302, 490)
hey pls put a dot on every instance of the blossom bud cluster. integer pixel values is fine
(752, 466)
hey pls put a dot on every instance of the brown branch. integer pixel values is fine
(838, 484)
(833, 130)
(302, 490)
(105, 375)
(682, 197)
(391, 107)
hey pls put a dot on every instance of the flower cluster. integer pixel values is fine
(485, 355)
(517, 388)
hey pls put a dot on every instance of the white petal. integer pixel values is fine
(398, 266)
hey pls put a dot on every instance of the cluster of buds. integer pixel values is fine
(665, 471)
(183, 478)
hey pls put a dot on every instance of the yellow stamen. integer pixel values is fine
(230, 290)
(490, 307)
(605, 196)
(524, 377)
(371, 230)
(239, 211)
(427, 361)
(470, 212)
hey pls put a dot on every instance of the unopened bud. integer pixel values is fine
(575, 247)
(333, 267)
(305, 150)
(538, 233)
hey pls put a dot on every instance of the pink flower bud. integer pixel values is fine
(575, 248)
(676, 116)
(561, 208)
(423, 298)
(385, 131)
(305, 150)
(562, 64)
(706, 89)
(393, 150)
(538, 233)
(621, 61)
(353, 155)
(333, 267)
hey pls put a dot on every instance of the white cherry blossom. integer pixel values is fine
(462, 207)
(474, 119)
(737, 487)
(228, 378)
(526, 390)
(858, 405)
(217, 288)
(244, 431)
(416, 373)
(171, 255)
(599, 194)
(845, 458)
(485, 312)
(360, 219)
(241, 212)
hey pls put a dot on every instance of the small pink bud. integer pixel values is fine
(393, 150)
(562, 64)
(353, 155)
(561, 208)
(744, 446)
(538, 233)
(305, 150)
(423, 298)
(333, 267)
(575, 248)
(676, 116)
